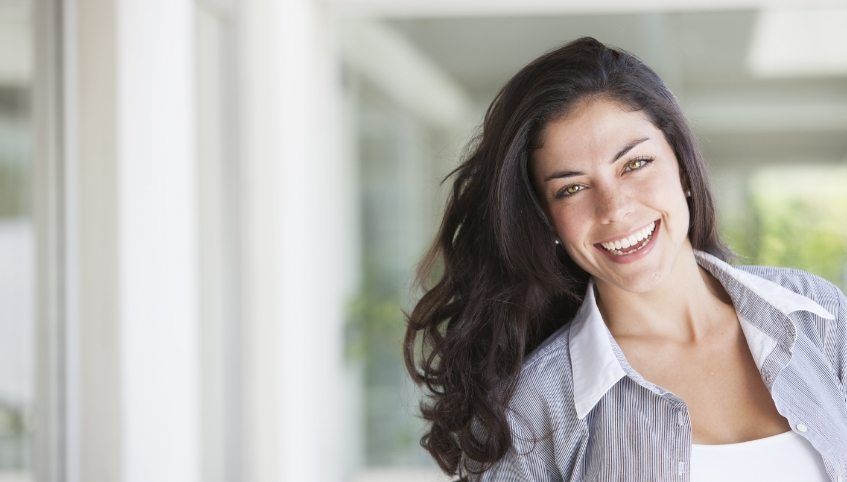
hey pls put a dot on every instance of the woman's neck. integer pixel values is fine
(685, 307)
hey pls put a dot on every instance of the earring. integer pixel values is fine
(558, 242)
(688, 193)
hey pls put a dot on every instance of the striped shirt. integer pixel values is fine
(606, 422)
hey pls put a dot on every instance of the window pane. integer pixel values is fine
(17, 315)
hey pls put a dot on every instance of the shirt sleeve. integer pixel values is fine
(518, 467)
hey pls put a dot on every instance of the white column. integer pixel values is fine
(134, 257)
(296, 242)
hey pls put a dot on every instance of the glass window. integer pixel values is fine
(17, 290)
(398, 199)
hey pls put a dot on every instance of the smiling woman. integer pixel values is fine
(587, 324)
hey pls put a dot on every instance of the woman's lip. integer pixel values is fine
(629, 258)
(599, 244)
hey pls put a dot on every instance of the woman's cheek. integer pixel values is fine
(571, 223)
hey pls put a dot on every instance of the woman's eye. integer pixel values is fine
(637, 163)
(632, 165)
(568, 191)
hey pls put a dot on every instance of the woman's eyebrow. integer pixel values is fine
(624, 150)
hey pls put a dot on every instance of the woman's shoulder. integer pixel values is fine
(830, 331)
(549, 362)
(545, 383)
(551, 349)
(802, 282)
(819, 306)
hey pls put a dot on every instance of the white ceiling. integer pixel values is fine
(702, 56)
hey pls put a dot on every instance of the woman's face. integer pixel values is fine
(607, 174)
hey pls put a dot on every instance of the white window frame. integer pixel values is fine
(49, 420)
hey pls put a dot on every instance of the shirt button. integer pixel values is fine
(680, 418)
(801, 427)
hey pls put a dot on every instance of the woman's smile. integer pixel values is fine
(633, 247)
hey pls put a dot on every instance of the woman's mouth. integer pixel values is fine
(632, 247)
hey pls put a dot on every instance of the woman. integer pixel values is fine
(586, 323)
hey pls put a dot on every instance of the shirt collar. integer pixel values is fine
(598, 362)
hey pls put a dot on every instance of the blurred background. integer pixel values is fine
(211, 210)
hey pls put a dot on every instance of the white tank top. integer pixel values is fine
(779, 458)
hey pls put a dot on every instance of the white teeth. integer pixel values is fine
(631, 240)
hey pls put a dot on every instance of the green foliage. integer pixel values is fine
(790, 223)
(373, 321)
(14, 440)
(14, 189)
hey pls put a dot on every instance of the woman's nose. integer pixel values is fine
(613, 205)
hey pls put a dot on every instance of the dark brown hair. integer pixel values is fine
(503, 285)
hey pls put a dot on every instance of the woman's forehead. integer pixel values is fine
(596, 130)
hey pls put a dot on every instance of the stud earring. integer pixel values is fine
(688, 193)
(557, 242)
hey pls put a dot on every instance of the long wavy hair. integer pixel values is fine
(494, 283)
